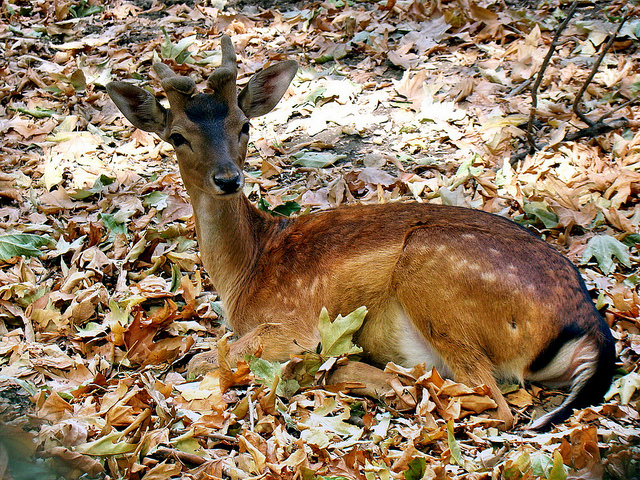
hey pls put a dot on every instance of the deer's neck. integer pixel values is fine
(231, 234)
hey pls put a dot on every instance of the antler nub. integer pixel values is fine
(228, 69)
(171, 81)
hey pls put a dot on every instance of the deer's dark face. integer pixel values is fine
(210, 139)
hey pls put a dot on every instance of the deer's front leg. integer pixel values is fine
(273, 341)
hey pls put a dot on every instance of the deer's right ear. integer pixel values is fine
(139, 106)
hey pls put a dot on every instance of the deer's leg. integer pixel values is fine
(477, 370)
(273, 341)
(374, 380)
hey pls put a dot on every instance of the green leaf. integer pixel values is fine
(98, 186)
(336, 336)
(267, 373)
(37, 112)
(632, 239)
(305, 158)
(315, 95)
(338, 51)
(515, 469)
(81, 9)
(541, 464)
(157, 200)
(416, 470)
(29, 387)
(179, 51)
(283, 210)
(454, 448)
(112, 223)
(107, 445)
(288, 388)
(22, 244)
(604, 248)
(558, 471)
(540, 211)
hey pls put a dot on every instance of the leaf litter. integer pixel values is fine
(103, 297)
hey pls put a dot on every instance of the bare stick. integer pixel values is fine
(184, 457)
(543, 67)
(594, 70)
(598, 128)
(631, 101)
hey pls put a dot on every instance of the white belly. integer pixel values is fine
(416, 349)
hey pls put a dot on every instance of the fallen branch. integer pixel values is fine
(594, 128)
(594, 70)
(540, 75)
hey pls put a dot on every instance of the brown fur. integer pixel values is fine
(469, 292)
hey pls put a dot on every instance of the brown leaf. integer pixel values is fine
(582, 453)
(55, 408)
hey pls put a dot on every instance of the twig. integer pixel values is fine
(543, 67)
(184, 457)
(520, 87)
(594, 128)
(598, 128)
(222, 437)
(631, 101)
(594, 70)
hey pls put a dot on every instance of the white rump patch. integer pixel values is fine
(576, 358)
(574, 365)
(416, 349)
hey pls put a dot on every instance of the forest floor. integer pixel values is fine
(103, 298)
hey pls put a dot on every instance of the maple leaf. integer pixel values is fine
(604, 248)
(336, 336)
(270, 375)
(625, 386)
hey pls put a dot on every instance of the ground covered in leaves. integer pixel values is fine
(102, 295)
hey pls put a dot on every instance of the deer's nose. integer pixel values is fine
(229, 183)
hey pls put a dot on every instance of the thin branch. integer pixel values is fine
(596, 129)
(184, 457)
(222, 438)
(594, 70)
(631, 101)
(520, 87)
(540, 75)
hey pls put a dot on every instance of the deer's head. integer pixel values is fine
(209, 131)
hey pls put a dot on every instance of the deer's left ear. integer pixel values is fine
(266, 88)
(140, 107)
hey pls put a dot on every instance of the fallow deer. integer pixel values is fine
(469, 292)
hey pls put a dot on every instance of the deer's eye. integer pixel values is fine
(177, 140)
(245, 129)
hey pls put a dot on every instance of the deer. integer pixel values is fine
(471, 293)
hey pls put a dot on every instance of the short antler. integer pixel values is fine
(171, 82)
(227, 72)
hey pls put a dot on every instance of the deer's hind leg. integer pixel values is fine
(454, 315)
(478, 371)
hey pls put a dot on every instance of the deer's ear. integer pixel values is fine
(140, 107)
(266, 88)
